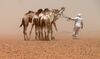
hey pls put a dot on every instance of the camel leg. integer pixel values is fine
(44, 34)
(38, 33)
(49, 33)
(24, 33)
(31, 31)
(27, 36)
(24, 37)
(52, 35)
(35, 33)
(54, 24)
(41, 34)
(36, 36)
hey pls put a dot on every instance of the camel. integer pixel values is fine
(49, 18)
(36, 23)
(25, 22)
(54, 16)
(45, 24)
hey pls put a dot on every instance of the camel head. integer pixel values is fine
(30, 15)
(62, 9)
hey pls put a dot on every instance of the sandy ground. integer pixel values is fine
(64, 47)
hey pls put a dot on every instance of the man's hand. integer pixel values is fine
(69, 18)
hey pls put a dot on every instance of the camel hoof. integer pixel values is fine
(53, 38)
(28, 39)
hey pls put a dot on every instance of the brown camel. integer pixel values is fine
(25, 22)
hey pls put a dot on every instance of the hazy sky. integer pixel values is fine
(11, 12)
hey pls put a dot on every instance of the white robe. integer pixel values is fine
(78, 21)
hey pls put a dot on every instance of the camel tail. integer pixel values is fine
(22, 23)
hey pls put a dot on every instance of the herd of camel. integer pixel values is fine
(43, 21)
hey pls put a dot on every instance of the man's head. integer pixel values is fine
(79, 14)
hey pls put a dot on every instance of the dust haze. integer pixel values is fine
(11, 12)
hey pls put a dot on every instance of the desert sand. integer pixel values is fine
(63, 47)
(12, 45)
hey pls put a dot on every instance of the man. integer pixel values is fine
(77, 25)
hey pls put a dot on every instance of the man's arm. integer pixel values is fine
(69, 18)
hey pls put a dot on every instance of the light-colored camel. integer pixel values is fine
(54, 16)
(25, 22)
(49, 18)
(36, 23)
(45, 24)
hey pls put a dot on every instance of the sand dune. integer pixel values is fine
(64, 47)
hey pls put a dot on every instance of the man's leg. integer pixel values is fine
(76, 31)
